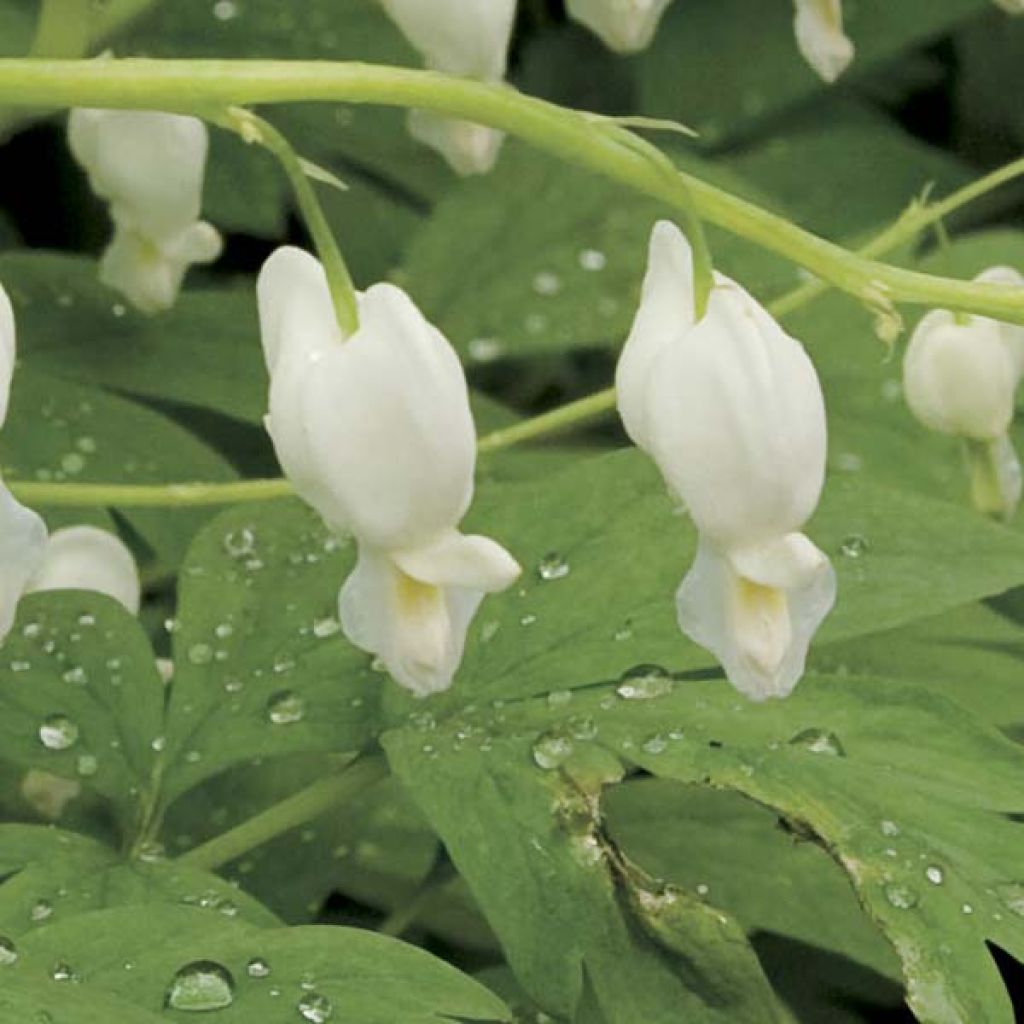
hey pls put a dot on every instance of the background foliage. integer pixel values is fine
(630, 841)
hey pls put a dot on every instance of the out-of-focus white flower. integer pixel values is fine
(960, 377)
(1011, 6)
(820, 37)
(627, 26)
(22, 532)
(88, 558)
(48, 794)
(375, 432)
(149, 167)
(458, 37)
(731, 410)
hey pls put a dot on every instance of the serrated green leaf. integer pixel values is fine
(55, 876)
(261, 667)
(81, 697)
(372, 978)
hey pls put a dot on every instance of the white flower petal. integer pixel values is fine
(457, 560)
(149, 166)
(820, 37)
(387, 420)
(459, 37)
(626, 26)
(960, 378)
(469, 148)
(8, 351)
(737, 422)
(666, 310)
(87, 558)
(418, 630)
(1011, 6)
(22, 542)
(760, 633)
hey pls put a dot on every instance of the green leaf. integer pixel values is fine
(258, 973)
(23, 999)
(527, 844)
(904, 789)
(842, 148)
(206, 351)
(57, 430)
(261, 667)
(736, 855)
(715, 67)
(81, 697)
(56, 876)
(540, 256)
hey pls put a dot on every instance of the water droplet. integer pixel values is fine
(654, 745)
(87, 765)
(902, 897)
(551, 751)
(967, 908)
(77, 675)
(315, 1008)
(285, 708)
(31, 630)
(323, 628)
(559, 698)
(853, 546)
(593, 260)
(200, 654)
(58, 732)
(283, 665)
(485, 350)
(20, 666)
(528, 620)
(644, 682)
(257, 968)
(62, 971)
(239, 543)
(1012, 895)
(819, 741)
(547, 283)
(890, 828)
(934, 874)
(225, 10)
(41, 910)
(119, 309)
(8, 952)
(582, 727)
(86, 444)
(553, 567)
(489, 631)
(72, 462)
(199, 986)
(223, 630)
(86, 619)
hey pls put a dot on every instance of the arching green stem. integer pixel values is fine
(197, 86)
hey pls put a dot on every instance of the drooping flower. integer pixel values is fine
(88, 558)
(22, 532)
(820, 37)
(469, 38)
(960, 377)
(149, 167)
(375, 432)
(626, 26)
(731, 410)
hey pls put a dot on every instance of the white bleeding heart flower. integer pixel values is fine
(88, 558)
(469, 38)
(626, 26)
(960, 377)
(149, 167)
(820, 37)
(22, 532)
(731, 410)
(375, 432)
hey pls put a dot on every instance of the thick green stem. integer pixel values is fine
(197, 86)
(307, 804)
(339, 280)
